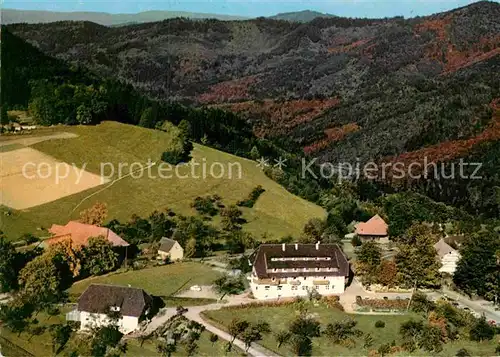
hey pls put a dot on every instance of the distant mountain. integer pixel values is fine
(343, 90)
(300, 16)
(11, 16)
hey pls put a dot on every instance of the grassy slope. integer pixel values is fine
(279, 318)
(277, 212)
(37, 345)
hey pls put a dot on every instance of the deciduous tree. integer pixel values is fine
(44, 279)
(227, 285)
(214, 338)
(282, 337)
(231, 218)
(482, 330)
(60, 335)
(99, 256)
(95, 215)
(478, 270)
(416, 261)
(368, 261)
(8, 273)
(236, 328)
(387, 273)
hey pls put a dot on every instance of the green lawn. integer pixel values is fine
(279, 318)
(160, 281)
(37, 345)
(277, 212)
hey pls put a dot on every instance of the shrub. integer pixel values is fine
(382, 304)
(384, 350)
(252, 197)
(205, 205)
(462, 353)
(380, 324)
(356, 241)
(333, 302)
(482, 330)
(29, 238)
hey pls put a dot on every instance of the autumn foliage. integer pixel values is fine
(450, 150)
(95, 215)
(444, 51)
(275, 117)
(332, 135)
(349, 47)
(229, 90)
(387, 273)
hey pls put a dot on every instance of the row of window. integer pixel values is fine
(286, 259)
(295, 287)
(304, 269)
(305, 278)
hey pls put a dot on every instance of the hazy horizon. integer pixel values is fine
(250, 8)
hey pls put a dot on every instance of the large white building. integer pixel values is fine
(102, 305)
(448, 257)
(290, 270)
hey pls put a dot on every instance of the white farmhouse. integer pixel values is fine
(448, 257)
(170, 248)
(102, 305)
(290, 270)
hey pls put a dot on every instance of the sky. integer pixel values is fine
(250, 8)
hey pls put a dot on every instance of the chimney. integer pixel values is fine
(283, 247)
(296, 246)
(317, 245)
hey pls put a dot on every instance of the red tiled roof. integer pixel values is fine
(79, 233)
(375, 226)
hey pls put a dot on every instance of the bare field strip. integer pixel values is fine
(31, 139)
(20, 190)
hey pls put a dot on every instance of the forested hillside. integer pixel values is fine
(334, 88)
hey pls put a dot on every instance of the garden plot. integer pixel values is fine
(30, 178)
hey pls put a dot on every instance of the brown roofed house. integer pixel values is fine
(100, 304)
(79, 234)
(170, 249)
(373, 229)
(291, 270)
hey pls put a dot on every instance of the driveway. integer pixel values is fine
(206, 292)
(482, 307)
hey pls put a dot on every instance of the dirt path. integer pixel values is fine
(27, 141)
